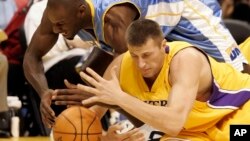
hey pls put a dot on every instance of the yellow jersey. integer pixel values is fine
(231, 90)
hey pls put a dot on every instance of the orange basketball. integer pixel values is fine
(77, 124)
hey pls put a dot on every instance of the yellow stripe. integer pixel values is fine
(159, 14)
(92, 9)
(205, 18)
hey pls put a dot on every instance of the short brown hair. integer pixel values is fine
(141, 30)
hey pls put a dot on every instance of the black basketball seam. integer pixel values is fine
(81, 121)
(89, 127)
(72, 125)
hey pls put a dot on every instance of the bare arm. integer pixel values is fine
(116, 22)
(42, 41)
(185, 79)
(115, 63)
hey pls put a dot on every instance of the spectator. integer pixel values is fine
(11, 47)
(4, 111)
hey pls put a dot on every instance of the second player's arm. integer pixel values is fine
(41, 42)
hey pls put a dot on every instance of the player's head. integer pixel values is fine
(67, 16)
(146, 45)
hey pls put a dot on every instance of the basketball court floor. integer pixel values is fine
(26, 139)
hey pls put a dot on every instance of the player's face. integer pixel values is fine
(65, 21)
(148, 58)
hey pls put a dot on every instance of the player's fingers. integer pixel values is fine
(69, 85)
(49, 112)
(50, 122)
(89, 79)
(89, 90)
(113, 72)
(131, 132)
(47, 120)
(115, 127)
(138, 136)
(68, 103)
(94, 74)
(135, 139)
(44, 119)
(59, 92)
(141, 139)
(90, 100)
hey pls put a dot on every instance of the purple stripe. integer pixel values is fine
(167, 49)
(227, 99)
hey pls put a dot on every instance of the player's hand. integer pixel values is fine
(47, 113)
(105, 91)
(70, 96)
(74, 96)
(132, 135)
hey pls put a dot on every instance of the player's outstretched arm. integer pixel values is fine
(42, 41)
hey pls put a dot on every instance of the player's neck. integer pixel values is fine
(149, 82)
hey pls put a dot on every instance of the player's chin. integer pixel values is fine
(147, 75)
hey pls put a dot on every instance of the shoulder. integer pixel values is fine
(118, 62)
(189, 56)
(46, 26)
(189, 53)
(188, 66)
(115, 63)
(121, 12)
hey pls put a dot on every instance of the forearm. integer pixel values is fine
(100, 111)
(34, 73)
(165, 119)
(42, 41)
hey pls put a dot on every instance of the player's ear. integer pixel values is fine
(163, 44)
(82, 9)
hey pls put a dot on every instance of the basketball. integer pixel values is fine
(77, 124)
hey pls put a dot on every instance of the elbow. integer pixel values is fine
(174, 130)
(175, 124)
(26, 68)
(26, 63)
